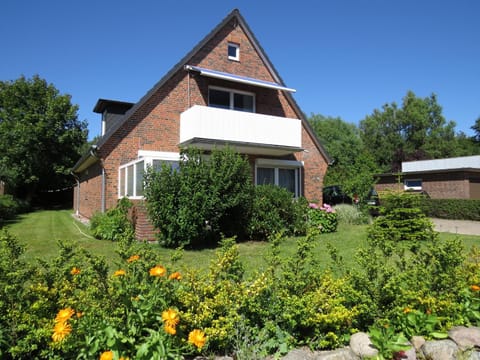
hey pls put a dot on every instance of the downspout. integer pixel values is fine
(103, 197)
(77, 203)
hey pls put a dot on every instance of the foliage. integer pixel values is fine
(150, 307)
(405, 266)
(9, 207)
(351, 215)
(402, 219)
(114, 224)
(274, 210)
(476, 128)
(207, 197)
(463, 209)
(40, 136)
(387, 341)
(352, 166)
(415, 131)
(323, 218)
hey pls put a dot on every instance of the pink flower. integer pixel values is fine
(313, 206)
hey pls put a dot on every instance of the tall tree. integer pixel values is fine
(352, 166)
(416, 131)
(476, 129)
(40, 136)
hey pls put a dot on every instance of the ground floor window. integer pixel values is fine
(131, 175)
(413, 184)
(284, 173)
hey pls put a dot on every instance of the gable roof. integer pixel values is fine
(235, 14)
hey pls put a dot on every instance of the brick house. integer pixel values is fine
(451, 178)
(224, 91)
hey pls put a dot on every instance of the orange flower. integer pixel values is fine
(170, 317)
(64, 314)
(75, 271)
(175, 276)
(170, 328)
(120, 272)
(79, 314)
(133, 258)
(60, 331)
(197, 338)
(475, 288)
(107, 355)
(158, 271)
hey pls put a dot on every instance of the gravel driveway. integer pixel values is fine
(465, 227)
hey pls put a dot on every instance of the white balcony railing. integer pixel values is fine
(249, 133)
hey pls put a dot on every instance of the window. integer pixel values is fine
(131, 175)
(230, 99)
(233, 51)
(284, 173)
(413, 184)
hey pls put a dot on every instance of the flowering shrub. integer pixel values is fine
(323, 218)
(147, 307)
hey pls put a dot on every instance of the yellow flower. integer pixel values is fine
(75, 271)
(64, 314)
(197, 338)
(407, 310)
(133, 258)
(120, 272)
(475, 288)
(61, 330)
(158, 271)
(170, 317)
(175, 276)
(107, 355)
(170, 328)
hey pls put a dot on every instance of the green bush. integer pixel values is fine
(275, 210)
(322, 218)
(9, 207)
(461, 209)
(206, 198)
(114, 224)
(351, 215)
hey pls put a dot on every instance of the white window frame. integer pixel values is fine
(417, 188)
(235, 46)
(282, 164)
(147, 157)
(232, 93)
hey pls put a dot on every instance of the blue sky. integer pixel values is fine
(344, 57)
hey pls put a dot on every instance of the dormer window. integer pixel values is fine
(231, 99)
(233, 51)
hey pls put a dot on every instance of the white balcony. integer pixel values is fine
(248, 133)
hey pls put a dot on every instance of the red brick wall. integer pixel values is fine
(445, 185)
(155, 124)
(88, 197)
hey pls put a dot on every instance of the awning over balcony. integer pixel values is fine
(238, 78)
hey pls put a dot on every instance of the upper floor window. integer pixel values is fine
(231, 99)
(233, 51)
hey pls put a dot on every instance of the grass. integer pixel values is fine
(40, 232)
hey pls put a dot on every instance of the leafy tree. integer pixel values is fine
(40, 136)
(476, 129)
(416, 131)
(352, 166)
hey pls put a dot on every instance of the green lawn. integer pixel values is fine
(40, 231)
